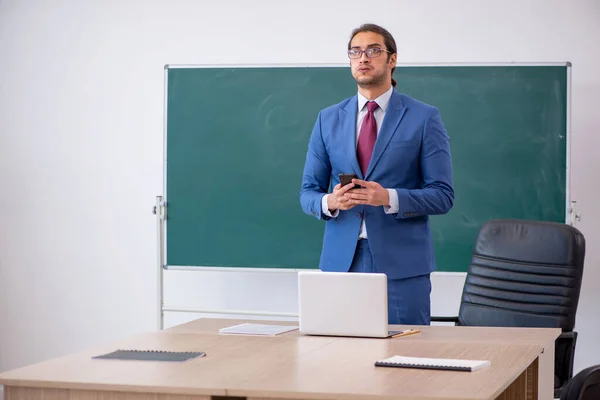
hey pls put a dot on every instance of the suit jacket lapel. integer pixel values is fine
(348, 119)
(393, 116)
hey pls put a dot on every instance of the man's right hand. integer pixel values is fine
(337, 200)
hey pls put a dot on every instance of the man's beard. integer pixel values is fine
(370, 81)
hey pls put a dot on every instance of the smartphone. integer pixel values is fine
(347, 178)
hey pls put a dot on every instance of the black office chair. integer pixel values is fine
(584, 386)
(526, 274)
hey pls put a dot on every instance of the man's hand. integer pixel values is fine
(372, 193)
(337, 200)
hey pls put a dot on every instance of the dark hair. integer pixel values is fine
(388, 40)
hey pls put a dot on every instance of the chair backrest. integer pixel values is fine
(584, 386)
(524, 274)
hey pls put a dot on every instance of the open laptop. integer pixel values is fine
(343, 304)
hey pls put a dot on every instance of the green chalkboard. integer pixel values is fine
(236, 141)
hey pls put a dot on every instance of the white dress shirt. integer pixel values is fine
(383, 102)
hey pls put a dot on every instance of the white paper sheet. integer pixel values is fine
(257, 329)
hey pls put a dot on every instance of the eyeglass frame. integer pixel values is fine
(365, 52)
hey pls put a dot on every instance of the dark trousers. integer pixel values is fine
(408, 299)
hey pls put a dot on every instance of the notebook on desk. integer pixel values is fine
(257, 329)
(432, 363)
(151, 355)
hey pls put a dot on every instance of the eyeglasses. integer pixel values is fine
(371, 52)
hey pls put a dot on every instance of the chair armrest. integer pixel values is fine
(568, 335)
(444, 319)
(564, 358)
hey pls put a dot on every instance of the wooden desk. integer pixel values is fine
(281, 367)
(538, 336)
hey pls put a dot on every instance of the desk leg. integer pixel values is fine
(533, 381)
(524, 387)
(546, 373)
(25, 393)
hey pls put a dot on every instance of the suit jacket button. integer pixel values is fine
(315, 214)
(358, 214)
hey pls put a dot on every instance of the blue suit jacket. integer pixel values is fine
(411, 155)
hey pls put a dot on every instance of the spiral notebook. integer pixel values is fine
(151, 355)
(432, 363)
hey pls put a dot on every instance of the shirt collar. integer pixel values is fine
(382, 101)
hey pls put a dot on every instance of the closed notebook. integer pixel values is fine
(432, 363)
(151, 355)
(257, 329)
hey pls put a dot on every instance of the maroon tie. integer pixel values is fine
(367, 137)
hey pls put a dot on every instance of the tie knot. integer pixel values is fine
(372, 106)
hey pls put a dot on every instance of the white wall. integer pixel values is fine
(81, 107)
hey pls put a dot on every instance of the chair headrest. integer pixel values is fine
(531, 242)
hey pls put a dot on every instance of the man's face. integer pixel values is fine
(371, 72)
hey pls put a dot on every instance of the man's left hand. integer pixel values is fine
(371, 193)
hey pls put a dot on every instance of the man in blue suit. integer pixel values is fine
(399, 150)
